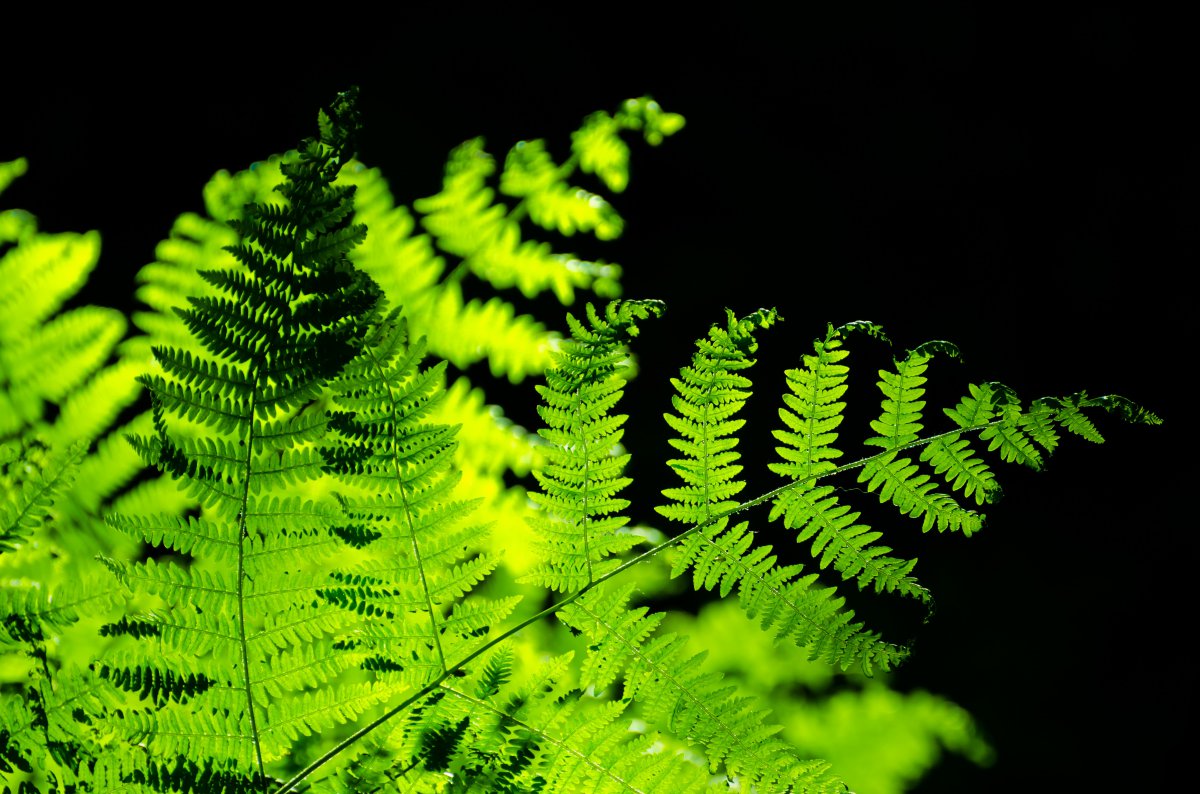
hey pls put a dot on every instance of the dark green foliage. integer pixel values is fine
(235, 426)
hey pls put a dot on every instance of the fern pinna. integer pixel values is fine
(425, 551)
(577, 528)
(783, 598)
(247, 661)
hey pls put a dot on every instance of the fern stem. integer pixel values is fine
(587, 546)
(646, 555)
(241, 584)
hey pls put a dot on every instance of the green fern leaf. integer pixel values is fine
(385, 447)
(676, 693)
(52, 713)
(10, 170)
(33, 494)
(276, 326)
(710, 393)
(578, 523)
(812, 415)
(895, 477)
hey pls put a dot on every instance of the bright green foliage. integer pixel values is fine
(878, 739)
(469, 223)
(501, 731)
(578, 527)
(52, 723)
(812, 414)
(243, 636)
(598, 145)
(473, 235)
(883, 739)
(895, 476)
(30, 488)
(783, 598)
(995, 412)
(420, 569)
(711, 392)
(814, 411)
(324, 602)
(678, 694)
(49, 356)
(8, 172)
(59, 394)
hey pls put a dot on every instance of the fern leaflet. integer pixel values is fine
(711, 392)
(577, 526)
(399, 465)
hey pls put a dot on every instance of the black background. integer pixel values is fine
(1022, 185)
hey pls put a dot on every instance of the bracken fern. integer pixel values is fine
(328, 609)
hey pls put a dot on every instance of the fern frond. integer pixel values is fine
(52, 721)
(576, 528)
(48, 356)
(725, 556)
(10, 170)
(710, 393)
(896, 476)
(499, 731)
(427, 560)
(998, 409)
(784, 600)
(33, 492)
(678, 694)
(813, 414)
(276, 324)
(468, 222)
(182, 773)
(600, 149)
